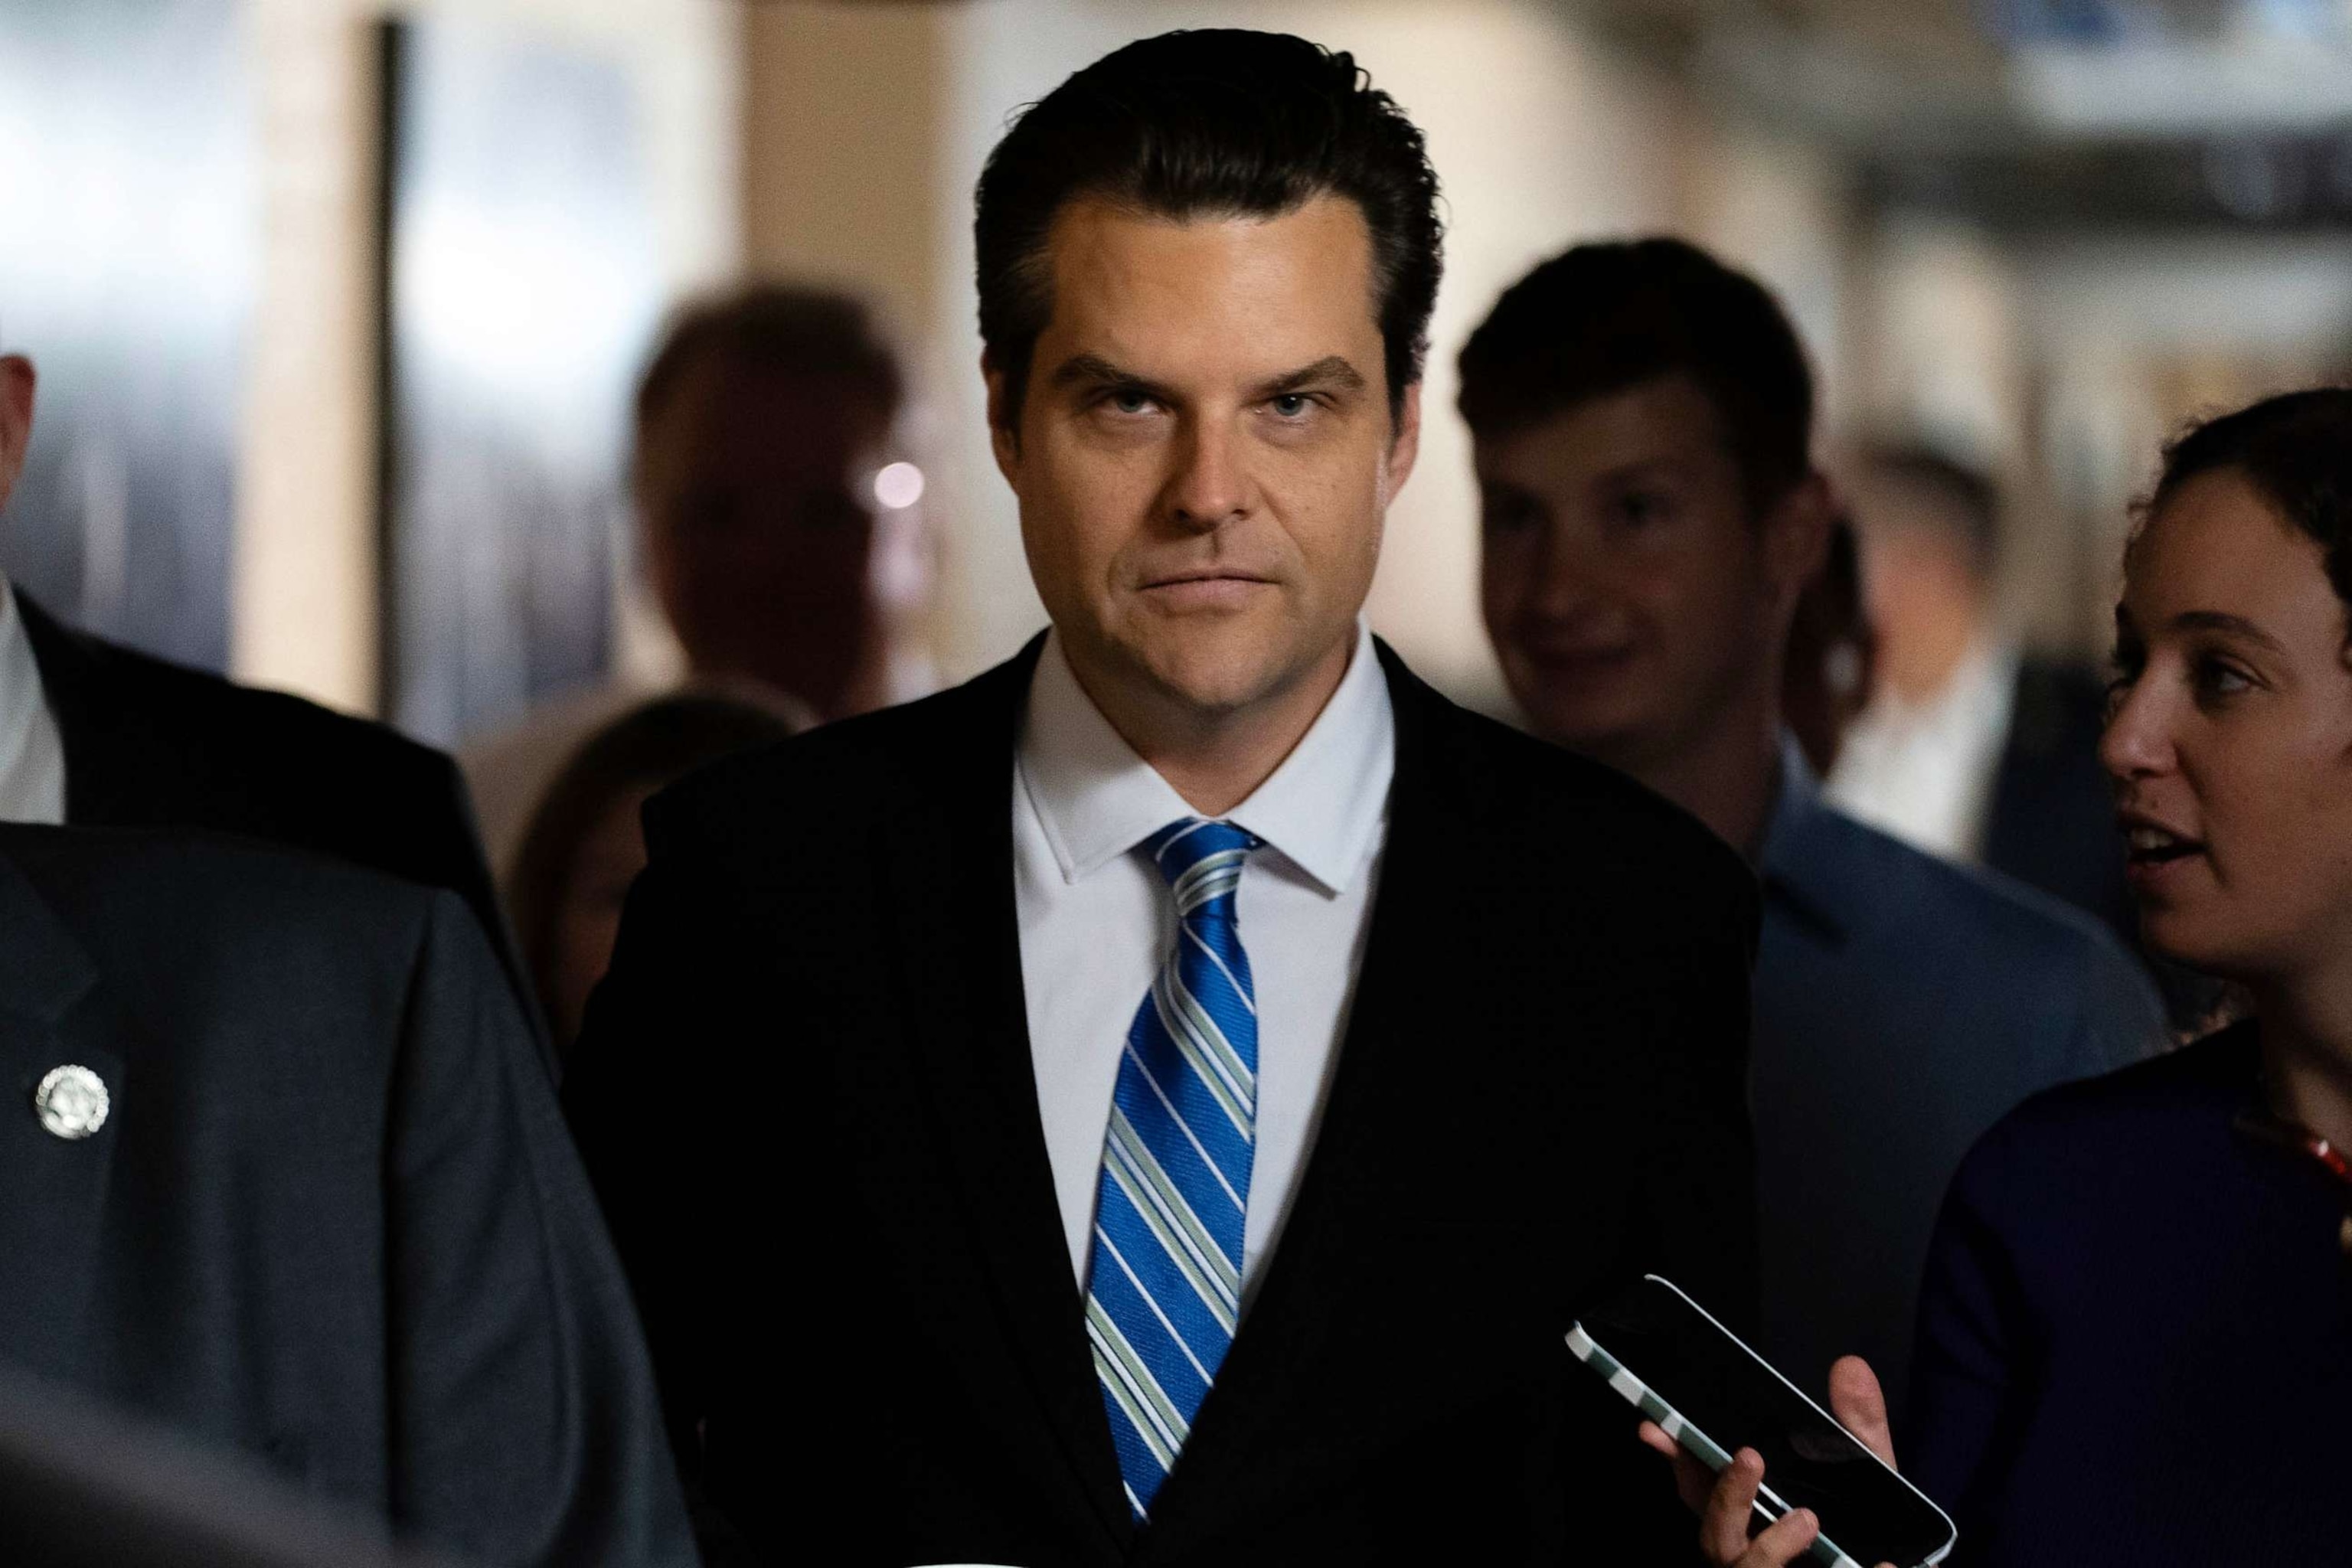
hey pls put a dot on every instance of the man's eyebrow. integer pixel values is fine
(1332, 371)
(2232, 625)
(1100, 372)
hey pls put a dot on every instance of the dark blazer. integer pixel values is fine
(804, 1093)
(150, 744)
(81, 1487)
(1902, 1005)
(331, 1219)
(2136, 1333)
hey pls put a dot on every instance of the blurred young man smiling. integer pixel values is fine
(1167, 1068)
(1642, 424)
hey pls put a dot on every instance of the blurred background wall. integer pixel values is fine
(2039, 233)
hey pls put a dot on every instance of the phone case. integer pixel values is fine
(1697, 1444)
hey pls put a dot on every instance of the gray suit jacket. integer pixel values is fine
(332, 1217)
(1902, 1005)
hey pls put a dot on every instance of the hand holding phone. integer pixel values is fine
(1750, 1445)
(1728, 1501)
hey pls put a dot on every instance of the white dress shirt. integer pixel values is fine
(1097, 919)
(32, 753)
(1924, 773)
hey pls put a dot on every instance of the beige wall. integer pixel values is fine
(303, 565)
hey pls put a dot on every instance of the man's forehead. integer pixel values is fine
(1667, 421)
(1128, 285)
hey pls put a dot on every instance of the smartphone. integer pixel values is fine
(1670, 1360)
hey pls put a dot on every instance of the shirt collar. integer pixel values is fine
(32, 758)
(1321, 809)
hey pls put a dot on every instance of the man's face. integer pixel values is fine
(1205, 452)
(751, 488)
(16, 419)
(1634, 601)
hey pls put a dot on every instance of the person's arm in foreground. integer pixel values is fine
(524, 1423)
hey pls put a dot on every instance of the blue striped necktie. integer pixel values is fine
(1163, 1290)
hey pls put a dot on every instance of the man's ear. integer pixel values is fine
(1797, 538)
(1003, 423)
(17, 381)
(1404, 441)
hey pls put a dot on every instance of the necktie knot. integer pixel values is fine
(1203, 863)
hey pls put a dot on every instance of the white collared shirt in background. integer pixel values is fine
(32, 752)
(1925, 773)
(1097, 921)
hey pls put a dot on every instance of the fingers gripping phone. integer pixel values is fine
(1712, 1395)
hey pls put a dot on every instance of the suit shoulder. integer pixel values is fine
(205, 884)
(264, 732)
(2080, 1140)
(1532, 789)
(1909, 893)
(848, 767)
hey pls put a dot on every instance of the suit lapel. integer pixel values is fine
(950, 860)
(52, 1223)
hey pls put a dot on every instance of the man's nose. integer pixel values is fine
(1210, 485)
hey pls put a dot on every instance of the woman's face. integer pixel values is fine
(2231, 740)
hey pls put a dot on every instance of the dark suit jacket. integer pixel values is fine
(805, 1095)
(82, 1487)
(332, 1219)
(150, 744)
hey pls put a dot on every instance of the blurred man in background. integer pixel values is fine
(760, 423)
(93, 734)
(1641, 419)
(1971, 750)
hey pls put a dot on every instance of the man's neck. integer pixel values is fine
(1217, 758)
(1729, 780)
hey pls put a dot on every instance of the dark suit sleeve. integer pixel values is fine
(662, 1001)
(525, 1429)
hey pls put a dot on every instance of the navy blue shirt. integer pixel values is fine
(2136, 1333)
(1902, 1005)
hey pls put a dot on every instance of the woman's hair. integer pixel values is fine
(2295, 450)
(644, 748)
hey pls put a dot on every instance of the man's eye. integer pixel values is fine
(1505, 514)
(1290, 404)
(1126, 400)
(1643, 506)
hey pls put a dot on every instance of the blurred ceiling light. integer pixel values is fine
(898, 486)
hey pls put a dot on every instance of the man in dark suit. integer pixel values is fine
(284, 1172)
(1180, 1086)
(100, 736)
(1642, 423)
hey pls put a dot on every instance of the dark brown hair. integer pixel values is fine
(778, 329)
(2295, 450)
(1603, 319)
(1217, 122)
